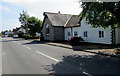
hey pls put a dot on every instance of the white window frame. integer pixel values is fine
(101, 34)
(68, 33)
(75, 33)
(85, 34)
(47, 27)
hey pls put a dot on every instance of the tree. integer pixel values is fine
(101, 14)
(34, 25)
(23, 20)
(2, 33)
(30, 24)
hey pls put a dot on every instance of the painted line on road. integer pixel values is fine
(15, 41)
(87, 73)
(18, 43)
(26, 46)
(47, 56)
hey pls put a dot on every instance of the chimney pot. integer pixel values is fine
(58, 11)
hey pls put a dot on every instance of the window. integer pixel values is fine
(75, 33)
(47, 29)
(101, 34)
(68, 33)
(85, 34)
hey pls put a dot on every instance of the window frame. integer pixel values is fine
(75, 33)
(85, 34)
(101, 34)
(47, 29)
(68, 33)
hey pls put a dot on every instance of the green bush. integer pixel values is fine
(26, 35)
(10, 35)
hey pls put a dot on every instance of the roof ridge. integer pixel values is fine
(56, 13)
(58, 19)
(68, 20)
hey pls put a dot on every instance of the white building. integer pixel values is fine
(93, 35)
(64, 26)
(7, 33)
(22, 30)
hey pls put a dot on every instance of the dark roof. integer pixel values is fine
(73, 21)
(58, 19)
(15, 30)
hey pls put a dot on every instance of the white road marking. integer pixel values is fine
(26, 46)
(87, 74)
(47, 56)
(18, 43)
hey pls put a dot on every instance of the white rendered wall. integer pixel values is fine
(118, 36)
(66, 33)
(93, 33)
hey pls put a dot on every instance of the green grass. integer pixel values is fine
(1, 34)
(118, 48)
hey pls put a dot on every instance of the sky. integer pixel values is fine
(11, 9)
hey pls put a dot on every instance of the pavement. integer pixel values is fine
(106, 51)
(21, 56)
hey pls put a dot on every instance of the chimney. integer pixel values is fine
(58, 11)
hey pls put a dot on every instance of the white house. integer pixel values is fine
(22, 30)
(93, 35)
(64, 26)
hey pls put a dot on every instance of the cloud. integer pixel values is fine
(0, 26)
(31, 1)
(5, 8)
(9, 24)
(37, 7)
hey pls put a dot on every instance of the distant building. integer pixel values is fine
(7, 33)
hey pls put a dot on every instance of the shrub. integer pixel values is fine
(27, 36)
(10, 35)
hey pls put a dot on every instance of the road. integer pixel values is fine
(21, 56)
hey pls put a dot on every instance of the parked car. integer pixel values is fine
(15, 36)
(4, 35)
